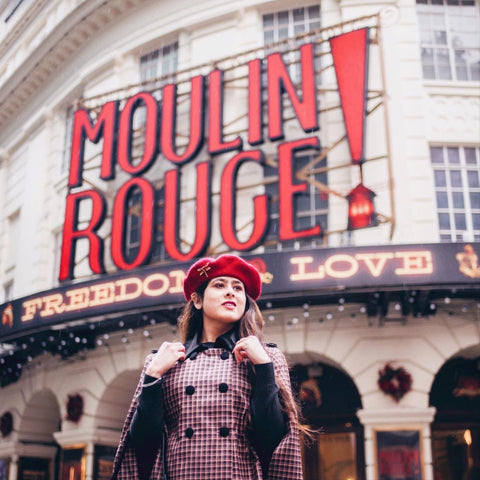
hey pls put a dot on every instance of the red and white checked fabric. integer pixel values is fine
(207, 429)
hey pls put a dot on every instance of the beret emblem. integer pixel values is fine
(203, 270)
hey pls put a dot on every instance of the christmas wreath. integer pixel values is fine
(74, 408)
(6, 424)
(394, 381)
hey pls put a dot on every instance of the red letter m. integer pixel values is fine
(82, 127)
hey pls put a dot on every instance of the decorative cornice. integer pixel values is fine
(58, 46)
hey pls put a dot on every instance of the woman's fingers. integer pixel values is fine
(167, 356)
(251, 348)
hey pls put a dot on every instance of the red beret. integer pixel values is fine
(227, 265)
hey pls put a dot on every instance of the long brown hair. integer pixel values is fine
(251, 323)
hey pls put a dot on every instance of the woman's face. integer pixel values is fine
(223, 301)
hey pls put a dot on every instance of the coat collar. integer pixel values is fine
(226, 341)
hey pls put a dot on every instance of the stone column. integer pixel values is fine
(13, 468)
(397, 419)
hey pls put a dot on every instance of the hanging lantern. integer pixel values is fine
(361, 212)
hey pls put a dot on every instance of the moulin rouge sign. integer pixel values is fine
(114, 126)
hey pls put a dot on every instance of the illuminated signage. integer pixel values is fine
(310, 273)
(269, 85)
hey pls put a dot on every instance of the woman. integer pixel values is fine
(219, 404)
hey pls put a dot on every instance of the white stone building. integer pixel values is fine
(245, 99)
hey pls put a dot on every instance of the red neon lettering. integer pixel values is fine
(71, 233)
(279, 81)
(168, 130)
(119, 218)
(215, 116)
(202, 209)
(106, 124)
(228, 208)
(125, 133)
(255, 132)
(288, 189)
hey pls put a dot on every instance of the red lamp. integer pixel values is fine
(361, 211)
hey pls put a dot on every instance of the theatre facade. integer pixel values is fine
(334, 145)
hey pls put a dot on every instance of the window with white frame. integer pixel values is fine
(456, 173)
(449, 39)
(278, 26)
(159, 63)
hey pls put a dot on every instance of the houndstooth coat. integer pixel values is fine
(206, 429)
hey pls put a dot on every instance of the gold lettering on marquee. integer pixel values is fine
(412, 263)
(52, 304)
(124, 284)
(103, 294)
(178, 276)
(30, 308)
(302, 273)
(155, 277)
(350, 272)
(415, 263)
(107, 293)
(157, 284)
(78, 299)
(375, 262)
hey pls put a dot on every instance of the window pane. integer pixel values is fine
(314, 12)
(470, 156)
(268, 37)
(452, 24)
(475, 72)
(436, 154)
(476, 221)
(473, 178)
(444, 221)
(455, 178)
(298, 15)
(283, 18)
(440, 37)
(282, 33)
(458, 200)
(460, 221)
(268, 20)
(299, 29)
(440, 178)
(442, 200)
(475, 200)
(453, 155)
(443, 62)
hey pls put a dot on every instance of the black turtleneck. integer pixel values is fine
(268, 421)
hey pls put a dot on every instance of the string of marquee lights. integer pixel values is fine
(73, 343)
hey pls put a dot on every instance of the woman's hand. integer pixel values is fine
(251, 348)
(166, 357)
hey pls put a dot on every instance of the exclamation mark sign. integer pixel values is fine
(350, 60)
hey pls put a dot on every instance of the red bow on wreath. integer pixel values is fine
(394, 381)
